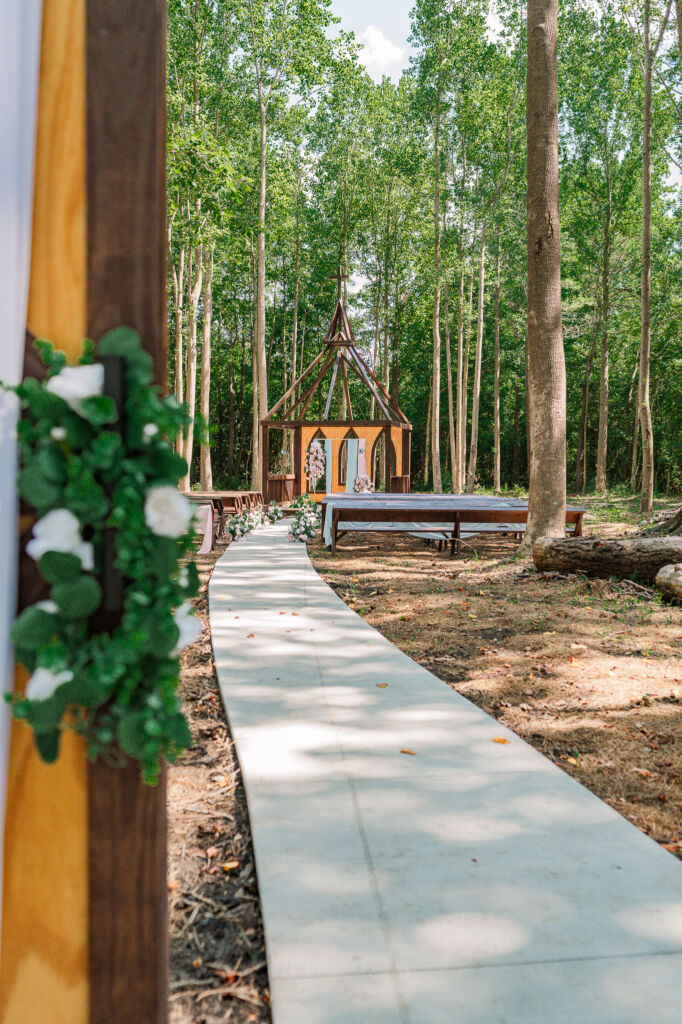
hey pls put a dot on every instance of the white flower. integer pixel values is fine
(47, 606)
(58, 434)
(74, 383)
(183, 577)
(43, 683)
(189, 627)
(149, 431)
(167, 512)
(59, 530)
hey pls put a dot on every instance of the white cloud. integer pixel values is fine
(379, 55)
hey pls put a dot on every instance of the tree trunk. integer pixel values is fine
(547, 476)
(581, 457)
(497, 432)
(205, 469)
(451, 410)
(647, 493)
(669, 582)
(672, 526)
(458, 483)
(294, 325)
(230, 430)
(476, 397)
(678, 5)
(428, 436)
(516, 454)
(465, 367)
(195, 284)
(256, 475)
(632, 556)
(602, 441)
(260, 354)
(634, 462)
(178, 301)
(435, 401)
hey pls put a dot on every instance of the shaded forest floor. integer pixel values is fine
(587, 671)
(218, 973)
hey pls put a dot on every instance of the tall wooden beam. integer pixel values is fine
(126, 149)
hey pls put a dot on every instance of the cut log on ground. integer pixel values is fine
(632, 557)
(669, 582)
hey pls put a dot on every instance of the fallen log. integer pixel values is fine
(669, 582)
(629, 557)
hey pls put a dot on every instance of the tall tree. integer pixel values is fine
(546, 364)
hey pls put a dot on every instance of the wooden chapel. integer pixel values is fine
(338, 366)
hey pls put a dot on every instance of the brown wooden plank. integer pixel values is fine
(331, 387)
(126, 137)
(346, 389)
(126, 165)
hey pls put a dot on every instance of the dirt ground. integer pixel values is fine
(218, 973)
(587, 671)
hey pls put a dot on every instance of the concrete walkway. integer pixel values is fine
(472, 882)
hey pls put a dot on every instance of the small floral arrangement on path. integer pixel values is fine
(108, 675)
(363, 485)
(315, 462)
(305, 523)
(302, 501)
(274, 512)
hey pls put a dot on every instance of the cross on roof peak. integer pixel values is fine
(339, 277)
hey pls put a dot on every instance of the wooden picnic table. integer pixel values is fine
(423, 513)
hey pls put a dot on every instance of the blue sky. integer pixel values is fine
(382, 26)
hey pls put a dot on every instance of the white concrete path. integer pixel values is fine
(471, 883)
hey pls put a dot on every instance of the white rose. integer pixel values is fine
(59, 530)
(74, 383)
(47, 606)
(189, 627)
(149, 431)
(43, 683)
(167, 512)
(58, 434)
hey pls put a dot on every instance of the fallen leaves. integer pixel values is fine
(231, 865)
(406, 751)
(500, 739)
(381, 686)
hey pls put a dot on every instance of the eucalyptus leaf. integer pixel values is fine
(48, 745)
(77, 598)
(59, 565)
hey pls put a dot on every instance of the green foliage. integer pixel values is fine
(118, 684)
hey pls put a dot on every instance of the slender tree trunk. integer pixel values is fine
(260, 353)
(294, 324)
(206, 471)
(497, 432)
(647, 493)
(178, 300)
(465, 369)
(230, 429)
(516, 454)
(451, 406)
(581, 456)
(547, 485)
(476, 397)
(634, 462)
(195, 284)
(678, 6)
(435, 401)
(458, 482)
(602, 440)
(256, 476)
(427, 446)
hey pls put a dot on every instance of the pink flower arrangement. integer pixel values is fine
(315, 463)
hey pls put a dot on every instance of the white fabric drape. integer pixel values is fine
(328, 465)
(351, 462)
(20, 23)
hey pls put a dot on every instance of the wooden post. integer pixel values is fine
(126, 247)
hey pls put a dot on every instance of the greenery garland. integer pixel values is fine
(115, 686)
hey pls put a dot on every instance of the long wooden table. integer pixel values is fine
(423, 513)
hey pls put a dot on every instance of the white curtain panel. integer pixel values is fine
(328, 465)
(20, 22)
(351, 462)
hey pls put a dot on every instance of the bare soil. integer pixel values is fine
(587, 671)
(218, 972)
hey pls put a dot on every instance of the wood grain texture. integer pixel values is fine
(128, 898)
(126, 250)
(126, 159)
(44, 970)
